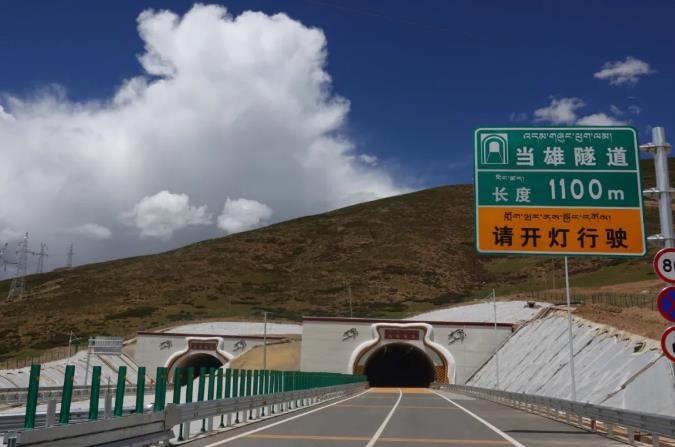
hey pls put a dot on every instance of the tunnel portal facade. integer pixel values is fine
(400, 352)
(182, 350)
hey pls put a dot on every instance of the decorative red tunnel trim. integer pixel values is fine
(433, 323)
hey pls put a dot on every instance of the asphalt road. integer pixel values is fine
(407, 418)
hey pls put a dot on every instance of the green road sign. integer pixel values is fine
(558, 191)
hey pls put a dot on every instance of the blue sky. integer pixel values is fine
(131, 132)
(419, 74)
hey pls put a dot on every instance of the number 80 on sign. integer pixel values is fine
(664, 264)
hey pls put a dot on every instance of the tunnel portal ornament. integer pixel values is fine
(456, 335)
(240, 345)
(351, 334)
(166, 344)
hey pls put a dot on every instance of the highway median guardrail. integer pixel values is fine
(234, 396)
(625, 425)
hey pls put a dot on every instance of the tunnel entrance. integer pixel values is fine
(197, 361)
(399, 365)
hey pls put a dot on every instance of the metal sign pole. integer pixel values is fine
(569, 330)
(265, 344)
(663, 184)
(494, 308)
(660, 148)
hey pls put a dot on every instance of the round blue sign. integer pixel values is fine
(666, 303)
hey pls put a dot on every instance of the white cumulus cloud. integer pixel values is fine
(599, 119)
(89, 231)
(559, 111)
(162, 214)
(371, 160)
(627, 71)
(243, 214)
(565, 111)
(222, 106)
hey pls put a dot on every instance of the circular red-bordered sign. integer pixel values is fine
(666, 303)
(668, 343)
(664, 264)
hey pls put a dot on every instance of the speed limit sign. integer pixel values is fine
(664, 264)
(668, 343)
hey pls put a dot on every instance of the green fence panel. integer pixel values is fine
(212, 384)
(160, 389)
(249, 382)
(201, 384)
(177, 385)
(237, 388)
(228, 383)
(67, 395)
(94, 393)
(219, 394)
(31, 403)
(119, 391)
(242, 383)
(190, 384)
(219, 384)
(140, 389)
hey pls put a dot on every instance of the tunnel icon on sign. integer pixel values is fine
(495, 149)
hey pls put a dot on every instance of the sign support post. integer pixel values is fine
(660, 148)
(494, 308)
(569, 331)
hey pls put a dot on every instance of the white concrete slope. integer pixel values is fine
(613, 368)
(51, 374)
(507, 312)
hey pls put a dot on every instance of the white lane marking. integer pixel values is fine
(379, 431)
(481, 420)
(250, 432)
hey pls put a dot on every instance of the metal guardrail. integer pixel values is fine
(13, 422)
(616, 422)
(134, 430)
(12, 396)
(151, 428)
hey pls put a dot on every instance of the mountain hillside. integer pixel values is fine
(403, 254)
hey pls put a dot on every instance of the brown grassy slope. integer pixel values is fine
(401, 254)
(284, 356)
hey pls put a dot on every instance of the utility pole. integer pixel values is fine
(265, 342)
(69, 264)
(349, 292)
(41, 258)
(72, 338)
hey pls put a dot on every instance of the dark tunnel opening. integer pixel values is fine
(399, 365)
(196, 361)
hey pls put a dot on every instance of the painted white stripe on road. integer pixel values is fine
(250, 432)
(481, 420)
(379, 431)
